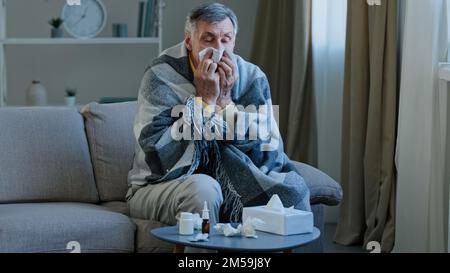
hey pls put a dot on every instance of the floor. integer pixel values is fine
(330, 247)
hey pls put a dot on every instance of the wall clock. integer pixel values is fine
(86, 20)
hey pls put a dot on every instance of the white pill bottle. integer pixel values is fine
(186, 223)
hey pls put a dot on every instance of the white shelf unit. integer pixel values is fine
(72, 41)
(6, 41)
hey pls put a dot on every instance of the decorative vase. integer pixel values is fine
(36, 94)
(57, 32)
(70, 101)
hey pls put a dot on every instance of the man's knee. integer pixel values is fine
(204, 188)
(200, 188)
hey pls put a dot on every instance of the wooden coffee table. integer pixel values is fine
(266, 242)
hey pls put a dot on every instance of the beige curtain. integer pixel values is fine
(367, 211)
(282, 48)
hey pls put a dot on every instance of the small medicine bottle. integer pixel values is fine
(186, 224)
(205, 217)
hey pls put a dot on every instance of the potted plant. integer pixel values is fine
(56, 23)
(71, 96)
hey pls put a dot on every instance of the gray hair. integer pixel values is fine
(210, 13)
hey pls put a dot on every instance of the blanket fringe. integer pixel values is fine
(232, 203)
(200, 148)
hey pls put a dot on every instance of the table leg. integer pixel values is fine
(178, 249)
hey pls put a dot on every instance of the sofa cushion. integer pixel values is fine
(49, 227)
(117, 206)
(109, 128)
(323, 189)
(44, 156)
(144, 241)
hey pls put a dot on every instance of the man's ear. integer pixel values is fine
(188, 41)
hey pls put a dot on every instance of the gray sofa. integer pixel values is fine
(63, 178)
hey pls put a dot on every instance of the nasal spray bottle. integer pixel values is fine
(205, 217)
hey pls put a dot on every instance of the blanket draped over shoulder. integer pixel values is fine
(249, 169)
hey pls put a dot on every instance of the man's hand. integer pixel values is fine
(207, 80)
(227, 72)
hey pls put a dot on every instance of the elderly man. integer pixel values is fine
(183, 158)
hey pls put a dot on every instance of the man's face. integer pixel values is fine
(218, 35)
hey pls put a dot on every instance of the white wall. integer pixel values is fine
(96, 70)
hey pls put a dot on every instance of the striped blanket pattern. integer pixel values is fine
(248, 171)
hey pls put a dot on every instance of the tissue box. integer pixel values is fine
(290, 222)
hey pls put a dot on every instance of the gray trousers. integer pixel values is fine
(164, 201)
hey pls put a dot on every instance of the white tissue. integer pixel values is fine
(197, 221)
(217, 54)
(227, 229)
(200, 237)
(275, 204)
(247, 229)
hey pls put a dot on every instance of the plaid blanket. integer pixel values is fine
(240, 147)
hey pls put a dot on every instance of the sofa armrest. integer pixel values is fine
(323, 189)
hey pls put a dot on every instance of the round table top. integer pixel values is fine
(266, 242)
